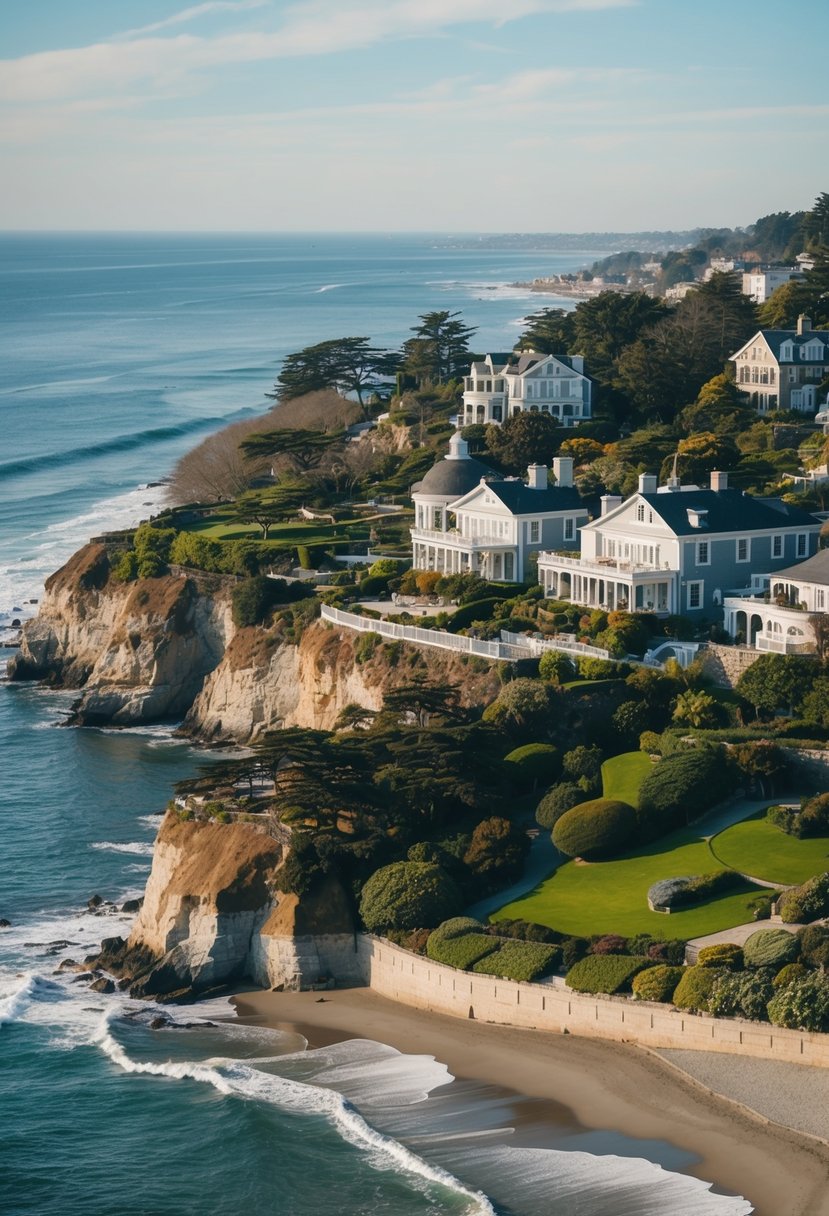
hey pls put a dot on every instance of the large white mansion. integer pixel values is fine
(505, 384)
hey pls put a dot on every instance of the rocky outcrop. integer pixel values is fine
(213, 915)
(139, 651)
(263, 684)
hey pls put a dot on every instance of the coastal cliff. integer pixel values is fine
(138, 651)
(213, 915)
(162, 648)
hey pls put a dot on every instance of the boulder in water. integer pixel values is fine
(104, 984)
(94, 902)
(132, 905)
(5, 924)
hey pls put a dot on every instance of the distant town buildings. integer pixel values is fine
(759, 284)
(781, 369)
(502, 385)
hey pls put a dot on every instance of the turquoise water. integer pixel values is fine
(118, 353)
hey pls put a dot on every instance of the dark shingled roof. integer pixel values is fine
(728, 511)
(776, 338)
(813, 570)
(454, 477)
(522, 500)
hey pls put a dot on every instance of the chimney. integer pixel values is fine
(719, 481)
(577, 363)
(563, 471)
(648, 483)
(610, 502)
(537, 476)
(804, 324)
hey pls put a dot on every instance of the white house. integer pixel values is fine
(505, 384)
(777, 613)
(678, 549)
(469, 519)
(781, 369)
(759, 284)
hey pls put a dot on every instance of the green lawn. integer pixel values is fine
(611, 896)
(623, 775)
(221, 526)
(757, 847)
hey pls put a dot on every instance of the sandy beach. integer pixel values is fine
(581, 1082)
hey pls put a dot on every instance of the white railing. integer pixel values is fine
(602, 566)
(504, 652)
(565, 645)
(780, 645)
(453, 537)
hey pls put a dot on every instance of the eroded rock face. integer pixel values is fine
(139, 651)
(212, 915)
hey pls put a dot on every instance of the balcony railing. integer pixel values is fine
(778, 645)
(600, 565)
(459, 540)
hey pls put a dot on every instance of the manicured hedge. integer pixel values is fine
(771, 948)
(606, 972)
(600, 828)
(742, 994)
(463, 951)
(682, 787)
(656, 983)
(456, 926)
(532, 763)
(807, 902)
(724, 954)
(788, 975)
(803, 1005)
(480, 610)
(556, 801)
(408, 895)
(522, 961)
(693, 991)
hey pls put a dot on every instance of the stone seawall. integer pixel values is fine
(418, 982)
(725, 664)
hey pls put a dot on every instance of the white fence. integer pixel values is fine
(512, 646)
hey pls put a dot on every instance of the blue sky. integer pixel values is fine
(402, 115)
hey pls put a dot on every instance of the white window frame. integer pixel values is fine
(706, 561)
(820, 599)
(742, 540)
(802, 544)
(777, 549)
(698, 585)
(535, 531)
(569, 528)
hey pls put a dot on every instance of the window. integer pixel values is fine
(437, 519)
(777, 546)
(570, 529)
(743, 549)
(695, 594)
(640, 513)
(802, 544)
(819, 600)
(703, 553)
(535, 531)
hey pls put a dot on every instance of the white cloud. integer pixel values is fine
(193, 14)
(321, 27)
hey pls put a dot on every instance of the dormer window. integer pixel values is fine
(787, 352)
(698, 517)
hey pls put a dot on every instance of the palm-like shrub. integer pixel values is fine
(600, 828)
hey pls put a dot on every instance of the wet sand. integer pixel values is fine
(578, 1083)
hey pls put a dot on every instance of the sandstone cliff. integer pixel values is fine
(139, 651)
(212, 914)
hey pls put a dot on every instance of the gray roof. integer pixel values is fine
(728, 511)
(813, 570)
(776, 338)
(454, 478)
(521, 499)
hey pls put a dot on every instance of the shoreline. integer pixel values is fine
(578, 1084)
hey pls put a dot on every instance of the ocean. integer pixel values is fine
(119, 352)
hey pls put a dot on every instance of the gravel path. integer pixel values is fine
(792, 1094)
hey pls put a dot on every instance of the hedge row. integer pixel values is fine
(606, 972)
(461, 952)
(522, 961)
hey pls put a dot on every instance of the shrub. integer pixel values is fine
(785, 818)
(456, 926)
(814, 944)
(532, 763)
(803, 1005)
(556, 667)
(523, 705)
(555, 802)
(744, 994)
(807, 902)
(253, 599)
(656, 983)
(650, 742)
(384, 567)
(372, 586)
(573, 949)
(788, 975)
(681, 787)
(461, 952)
(693, 991)
(672, 951)
(496, 851)
(595, 829)
(610, 943)
(583, 761)
(521, 961)
(771, 948)
(605, 973)
(526, 931)
(601, 669)
(814, 817)
(724, 954)
(408, 895)
(467, 614)
(365, 646)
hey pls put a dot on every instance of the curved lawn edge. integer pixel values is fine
(755, 846)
